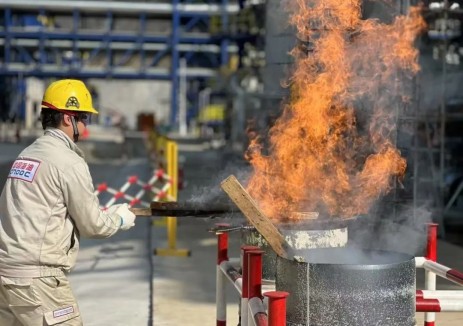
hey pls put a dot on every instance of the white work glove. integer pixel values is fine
(127, 217)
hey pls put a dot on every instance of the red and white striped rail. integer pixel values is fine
(430, 300)
(439, 301)
(440, 270)
(249, 285)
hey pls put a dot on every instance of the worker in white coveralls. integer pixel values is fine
(47, 203)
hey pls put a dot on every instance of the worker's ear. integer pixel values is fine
(67, 120)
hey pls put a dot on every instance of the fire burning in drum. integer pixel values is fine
(332, 149)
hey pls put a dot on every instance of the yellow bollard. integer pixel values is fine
(172, 172)
(159, 149)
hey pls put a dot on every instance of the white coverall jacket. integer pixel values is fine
(48, 202)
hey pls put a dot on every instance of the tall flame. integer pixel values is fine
(332, 149)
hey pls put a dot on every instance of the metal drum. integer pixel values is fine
(300, 235)
(346, 286)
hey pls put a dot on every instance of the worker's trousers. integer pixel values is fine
(37, 302)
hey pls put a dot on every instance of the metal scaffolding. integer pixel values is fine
(85, 39)
(432, 157)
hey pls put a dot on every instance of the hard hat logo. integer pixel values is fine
(72, 102)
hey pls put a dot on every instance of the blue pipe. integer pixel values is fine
(7, 49)
(224, 43)
(175, 64)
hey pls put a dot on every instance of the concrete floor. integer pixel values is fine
(118, 281)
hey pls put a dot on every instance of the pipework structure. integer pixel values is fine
(119, 40)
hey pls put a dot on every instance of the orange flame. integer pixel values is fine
(332, 148)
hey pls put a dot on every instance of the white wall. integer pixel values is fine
(130, 97)
(34, 88)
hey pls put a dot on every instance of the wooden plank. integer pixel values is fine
(248, 207)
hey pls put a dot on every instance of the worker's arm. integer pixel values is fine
(83, 205)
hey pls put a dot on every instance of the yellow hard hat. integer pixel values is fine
(68, 95)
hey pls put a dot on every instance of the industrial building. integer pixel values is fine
(292, 162)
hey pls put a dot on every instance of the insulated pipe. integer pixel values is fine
(254, 281)
(245, 293)
(276, 307)
(430, 277)
(436, 305)
(222, 256)
(121, 7)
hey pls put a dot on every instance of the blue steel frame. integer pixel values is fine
(182, 23)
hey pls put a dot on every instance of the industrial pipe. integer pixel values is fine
(119, 7)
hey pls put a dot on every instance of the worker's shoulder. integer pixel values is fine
(53, 152)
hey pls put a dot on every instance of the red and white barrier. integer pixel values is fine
(254, 311)
(443, 271)
(245, 293)
(257, 314)
(249, 285)
(436, 305)
(430, 300)
(442, 294)
(221, 300)
(158, 185)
